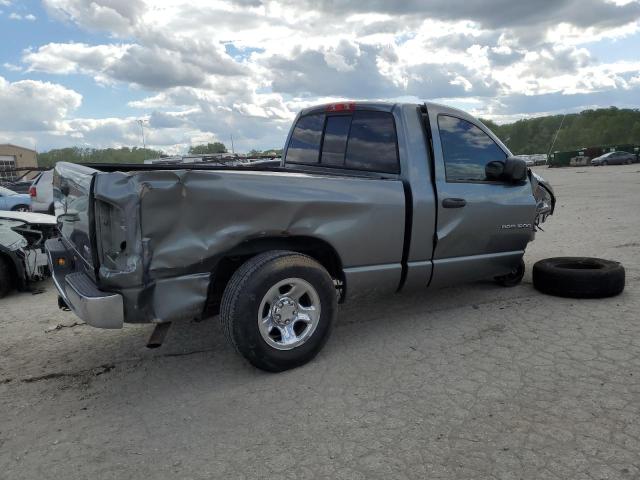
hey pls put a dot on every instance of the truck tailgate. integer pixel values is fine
(71, 191)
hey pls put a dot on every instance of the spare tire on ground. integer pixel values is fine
(578, 277)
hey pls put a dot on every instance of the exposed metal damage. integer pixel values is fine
(22, 253)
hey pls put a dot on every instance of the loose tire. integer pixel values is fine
(21, 208)
(512, 278)
(6, 280)
(278, 309)
(579, 277)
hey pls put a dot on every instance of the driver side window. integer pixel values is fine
(466, 150)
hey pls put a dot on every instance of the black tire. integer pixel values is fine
(579, 277)
(52, 210)
(6, 277)
(512, 278)
(21, 208)
(244, 294)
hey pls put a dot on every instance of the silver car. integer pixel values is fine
(614, 158)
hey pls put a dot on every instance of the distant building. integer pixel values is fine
(12, 157)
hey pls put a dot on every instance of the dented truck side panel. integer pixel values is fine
(168, 229)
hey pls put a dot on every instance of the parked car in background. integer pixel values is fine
(20, 186)
(41, 192)
(23, 259)
(614, 158)
(10, 200)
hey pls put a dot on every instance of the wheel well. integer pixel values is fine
(317, 249)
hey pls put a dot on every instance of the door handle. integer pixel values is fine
(453, 202)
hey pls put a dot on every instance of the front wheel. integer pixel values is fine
(278, 309)
(512, 278)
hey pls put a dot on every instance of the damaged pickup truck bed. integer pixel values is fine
(369, 197)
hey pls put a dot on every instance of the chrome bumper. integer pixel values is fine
(97, 308)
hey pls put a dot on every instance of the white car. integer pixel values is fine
(41, 192)
(23, 259)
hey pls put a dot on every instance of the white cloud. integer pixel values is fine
(12, 67)
(16, 16)
(216, 67)
(65, 58)
(31, 105)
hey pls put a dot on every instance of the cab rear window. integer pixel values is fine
(304, 146)
(364, 140)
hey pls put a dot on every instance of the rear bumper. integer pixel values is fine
(97, 308)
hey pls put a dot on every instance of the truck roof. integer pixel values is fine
(348, 105)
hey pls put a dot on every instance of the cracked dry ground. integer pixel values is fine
(474, 381)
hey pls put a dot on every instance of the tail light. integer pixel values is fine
(111, 237)
(32, 191)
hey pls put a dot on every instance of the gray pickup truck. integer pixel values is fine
(368, 198)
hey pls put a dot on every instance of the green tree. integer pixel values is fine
(93, 155)
(604, 126)
(216, 147)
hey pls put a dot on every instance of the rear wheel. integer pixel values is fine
(278, 309)
(21, 208)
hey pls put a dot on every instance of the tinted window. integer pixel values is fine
(466, 149)
(372, 143)
(304, 146)
(335, 140)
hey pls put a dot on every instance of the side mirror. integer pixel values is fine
(515, 170)
(494, 170)
(512, 170)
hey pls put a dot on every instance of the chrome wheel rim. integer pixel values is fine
(289, 314)
(22, 209)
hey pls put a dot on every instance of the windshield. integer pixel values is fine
(5, 192)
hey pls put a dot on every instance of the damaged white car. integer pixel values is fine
(23, 259)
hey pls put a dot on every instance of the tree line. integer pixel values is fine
(96, 155)
(589, 128)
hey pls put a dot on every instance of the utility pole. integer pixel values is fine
(556, 136)
(141, 123)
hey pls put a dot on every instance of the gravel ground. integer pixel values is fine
(475, 381)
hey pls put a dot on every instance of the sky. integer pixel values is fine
(86, 72)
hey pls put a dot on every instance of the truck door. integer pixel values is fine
(483, 226)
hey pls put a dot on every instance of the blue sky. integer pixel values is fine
(82, 72)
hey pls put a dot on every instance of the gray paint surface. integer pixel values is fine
(160, 234)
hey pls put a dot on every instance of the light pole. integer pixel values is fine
(556, 136)
(141, 123)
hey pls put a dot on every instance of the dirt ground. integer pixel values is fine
(475, 381)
